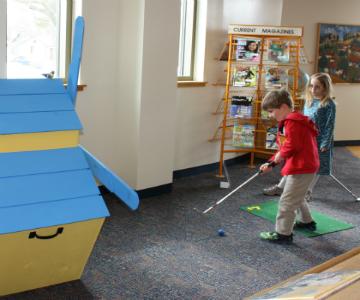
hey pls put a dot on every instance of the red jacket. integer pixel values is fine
(296, 139)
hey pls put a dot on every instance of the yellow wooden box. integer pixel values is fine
(51, 213)
(28, 262)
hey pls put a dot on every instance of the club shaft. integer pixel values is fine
(232, 192)
(341, 184)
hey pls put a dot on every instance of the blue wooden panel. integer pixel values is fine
(39, 122)
(35, 103)
(31, 86)
(38, 215)
(46, 161)
(112, 182)
(21, 190)
(75, 58)
(78, 38)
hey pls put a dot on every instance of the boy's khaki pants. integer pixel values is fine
(292, 201)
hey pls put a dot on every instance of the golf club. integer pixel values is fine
(271, 164)
(225, 184)
(343, 186)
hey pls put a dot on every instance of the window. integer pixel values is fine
(187, 40)
(37, 37)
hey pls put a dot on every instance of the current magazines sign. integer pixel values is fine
(265, 30)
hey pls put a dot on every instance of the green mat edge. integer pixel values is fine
(305, 232)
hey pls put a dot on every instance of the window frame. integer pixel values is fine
(194, 17)
(63, 62)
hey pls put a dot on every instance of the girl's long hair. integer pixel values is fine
(326, 82)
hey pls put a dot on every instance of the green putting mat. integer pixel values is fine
(325, 224)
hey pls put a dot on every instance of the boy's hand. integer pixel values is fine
(278, 159)
(266, 167)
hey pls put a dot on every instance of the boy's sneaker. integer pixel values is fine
(309, 226)
(273, 191)
(276, 237)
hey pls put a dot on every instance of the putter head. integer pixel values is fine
(224, 184)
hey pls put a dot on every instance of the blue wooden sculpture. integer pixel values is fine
(51, 210)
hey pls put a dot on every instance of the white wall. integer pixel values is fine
(195, 122)
(158, 93)
(99, 71)
(128, 109)
(308, 13)
(136, 120)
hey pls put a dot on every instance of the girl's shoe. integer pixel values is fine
(309, 226)
(275, 237)
(273, 191)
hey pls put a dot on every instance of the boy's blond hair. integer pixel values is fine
(275, 99)
(325, 80)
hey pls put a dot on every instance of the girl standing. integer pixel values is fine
(321, 108)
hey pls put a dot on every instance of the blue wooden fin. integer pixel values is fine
(112, 181)
(74, 68)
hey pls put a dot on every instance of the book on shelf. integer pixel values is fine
(278, 51)
(275, 78)
(244, 76)
(315, 286)
(247, 49)
(243, 136)
(270, 141)
(241, 107)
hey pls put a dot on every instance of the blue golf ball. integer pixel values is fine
(221, 232)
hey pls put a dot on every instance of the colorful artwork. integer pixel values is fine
(339, 52)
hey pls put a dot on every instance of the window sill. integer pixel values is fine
(80, 87)
(191, 83)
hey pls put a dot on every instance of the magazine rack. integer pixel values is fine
(259, 59)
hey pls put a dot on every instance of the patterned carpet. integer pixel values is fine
(167, 250)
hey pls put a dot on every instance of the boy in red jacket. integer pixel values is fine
(296, 139)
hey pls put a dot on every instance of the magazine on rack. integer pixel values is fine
(241, 107)
(244, 76)
(247, 49)
(279, 51)
(243, 136)
(275, 78)
(270, 142)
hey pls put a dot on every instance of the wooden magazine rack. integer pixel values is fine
(272, 63)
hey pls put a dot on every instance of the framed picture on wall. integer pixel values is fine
(338, 52)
